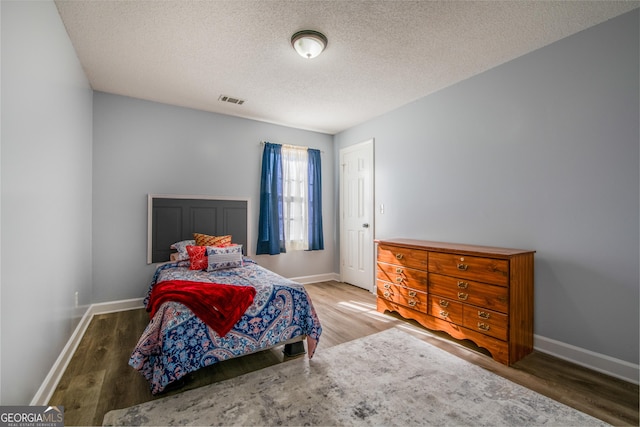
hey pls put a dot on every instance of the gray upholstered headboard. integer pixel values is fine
(175, 218)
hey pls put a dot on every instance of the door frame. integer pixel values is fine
(372, 223)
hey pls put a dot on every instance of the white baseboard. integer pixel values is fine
(44, 393)
(589, 359)
(46, 390)
(598, 362)
(316, 278)
(115, 306)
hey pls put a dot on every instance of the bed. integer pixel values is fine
(177, 342)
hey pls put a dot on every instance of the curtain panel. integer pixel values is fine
(290, 200)
(316, 239)
(271, 220)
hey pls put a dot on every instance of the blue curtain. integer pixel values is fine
(316, 239)
(271, 222)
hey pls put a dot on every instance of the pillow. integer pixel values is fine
(181, 247)
(224, 257)
(206, 240)
(198, 257)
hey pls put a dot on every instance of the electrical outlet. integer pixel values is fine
(76, 298)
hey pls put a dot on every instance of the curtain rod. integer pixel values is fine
(289, 145)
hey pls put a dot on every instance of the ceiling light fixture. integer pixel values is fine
(309, 43)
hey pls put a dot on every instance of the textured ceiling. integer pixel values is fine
(381, 54)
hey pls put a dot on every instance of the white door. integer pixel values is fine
(357, 215)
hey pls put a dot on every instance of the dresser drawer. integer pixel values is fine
(403, 296)
(406, 257)
(445, 309)
(488, 270)
(403, 276)
(485, 321)
(481, 294)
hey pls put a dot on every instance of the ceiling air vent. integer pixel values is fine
(231, 99)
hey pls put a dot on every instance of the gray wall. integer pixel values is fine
(539, 153)
(46, 195)
(144, 147)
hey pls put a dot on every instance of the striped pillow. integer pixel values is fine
(207, 240)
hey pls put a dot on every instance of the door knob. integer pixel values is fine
(365, 225)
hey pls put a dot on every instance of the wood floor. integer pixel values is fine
(98, 378)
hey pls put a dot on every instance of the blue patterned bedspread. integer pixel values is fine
(176, 342)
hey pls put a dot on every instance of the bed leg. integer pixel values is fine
(294, 349)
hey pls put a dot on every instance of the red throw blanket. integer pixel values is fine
(219, 306)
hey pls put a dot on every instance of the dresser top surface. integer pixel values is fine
(454, 247)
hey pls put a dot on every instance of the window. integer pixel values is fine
(295, 198)
(290, 200)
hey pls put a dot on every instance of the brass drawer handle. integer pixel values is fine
(387, 286)
(399, 256)
(462, 285)
(484, 315)
(399, 279)
(463, 296)
(413, 302)
(398, 270)
(462, 266)
(412, 293)
(387, 294)
(483, 326)
(444, 303)
(444, 313)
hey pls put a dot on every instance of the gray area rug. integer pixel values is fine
(390, 378)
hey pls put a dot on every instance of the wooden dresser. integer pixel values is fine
(480, 293)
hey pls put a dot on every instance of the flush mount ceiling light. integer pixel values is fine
(309, 43)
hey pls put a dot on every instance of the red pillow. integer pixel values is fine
(198, 257)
